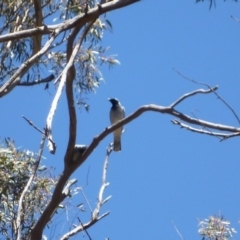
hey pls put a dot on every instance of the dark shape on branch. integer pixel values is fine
(46, 86)
(78, 151)
(44, 80)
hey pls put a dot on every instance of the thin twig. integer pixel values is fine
(236, 19)
(31, 123)
(95, 215)
(193, 93)
(104, 184)
(209, 130)
(81, 189)
(177, 231)
(84, 229)
(222, 136)
(89, 206)
(218, 96)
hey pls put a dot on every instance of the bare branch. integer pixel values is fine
(58, 194)
(89, 206)
(104, 185)
(191, 94)
(180, 235)
(155, 108)
(29, 33)
(69, 92)
(44, 80)
(85, 229)
(31, 123)
(38, 129)
(222, 136)
(231, 109)
(52, 148)
(95, 215)
(218, 96)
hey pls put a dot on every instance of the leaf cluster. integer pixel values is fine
(21, 15)
(215, 228)
(15, 169)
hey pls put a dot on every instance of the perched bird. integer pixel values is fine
(117, 113)
(78, 151)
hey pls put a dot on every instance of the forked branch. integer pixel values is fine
(222, 129)
(64, 76)
(95, 215)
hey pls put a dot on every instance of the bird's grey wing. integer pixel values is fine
(115, 115)
(123, 114)
(112, 118)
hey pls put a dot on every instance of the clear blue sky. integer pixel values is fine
(163, 173)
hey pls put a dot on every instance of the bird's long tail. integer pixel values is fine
(117, 140)
(117, 146)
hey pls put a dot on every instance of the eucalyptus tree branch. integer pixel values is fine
(235, 131)
(79, 20)
(64, 75)
(39, 18)
(59, 194)
(191, 94)
(101, 201)
(95, 215)
(69, 92)
(222, 136)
